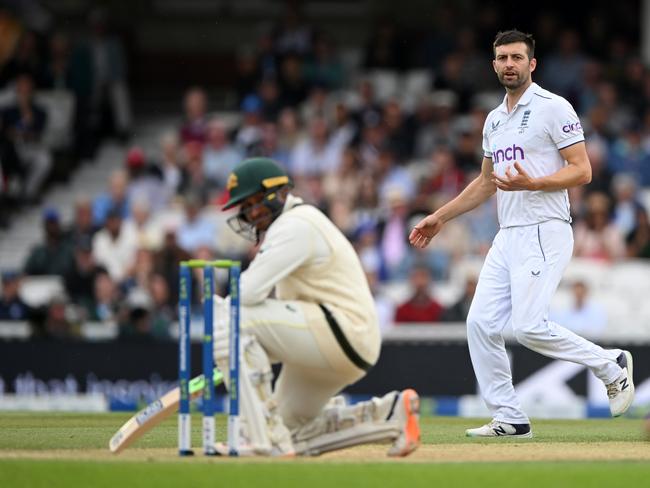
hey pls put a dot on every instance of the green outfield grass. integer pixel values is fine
(39, 450)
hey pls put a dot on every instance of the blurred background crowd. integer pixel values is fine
(376, 134)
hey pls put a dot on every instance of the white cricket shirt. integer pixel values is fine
(532, 134)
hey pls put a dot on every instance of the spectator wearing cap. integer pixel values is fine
(195, 127)
(12, 307)
(114, 248)
(249, 133)
(54, 256)
(219, 155)
(114, 199)
(145, 181)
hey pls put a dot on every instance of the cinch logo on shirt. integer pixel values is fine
(508, 154)
(569, 127)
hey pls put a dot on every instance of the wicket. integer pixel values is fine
(184, 356)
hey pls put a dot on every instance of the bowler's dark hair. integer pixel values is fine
(510, 36)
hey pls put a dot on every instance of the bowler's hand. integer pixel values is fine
(425, 230)
(514, 181)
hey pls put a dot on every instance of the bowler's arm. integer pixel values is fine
(478, 191)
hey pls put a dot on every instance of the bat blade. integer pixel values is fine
(154, 413)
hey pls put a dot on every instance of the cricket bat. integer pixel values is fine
(154, 413)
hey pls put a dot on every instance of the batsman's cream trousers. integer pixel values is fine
(314, 368)
(519, 277)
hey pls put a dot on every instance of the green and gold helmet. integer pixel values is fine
(252, 176)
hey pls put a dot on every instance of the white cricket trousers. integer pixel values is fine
(519, 277)
(288, 330)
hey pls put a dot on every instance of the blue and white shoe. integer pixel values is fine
(501, 429)
(621, 391)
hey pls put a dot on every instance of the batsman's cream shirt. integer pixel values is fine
(306, 258)
(532, 134)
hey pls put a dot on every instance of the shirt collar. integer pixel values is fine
(524, 100)
(292, 201)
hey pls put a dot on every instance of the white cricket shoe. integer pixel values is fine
(621, 391)
(501, 429)
(407, 413)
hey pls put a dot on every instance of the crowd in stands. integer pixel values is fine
(60, 95)
(374, 159)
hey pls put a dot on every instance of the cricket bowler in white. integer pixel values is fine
(534, 150)
(321, 326)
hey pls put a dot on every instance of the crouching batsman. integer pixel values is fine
(321, 326)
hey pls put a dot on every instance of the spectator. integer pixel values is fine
(82, 227)
(584, 316)
(317, 154)
(393, 232)
(60, 323)
(293, 35)
(638, 241)
(626, 203)
(343, 184)
(195, 127)
(391, 176)
(269, 94)
(269, 145)
(628, 155)
(145, 181)
(384, 51)
(596, 237)
(12, 306)
(135, 318)
(323, 68)
(219, 155)
(143, 225)
(163, 310)
(167, 258)
(459, 310)
(110, 96)
(26, 59)
(442, 175)
(399, 135)
(80, 279)
(23, 124)
(106, 298)
(114, 248)
(421, 306)
(170, 164)
(249, 134)
(54, 256)
(194, 179)
(289, 130)
(317, 105)
(563, 70)
(293, 86)
(115, 199)
(197, 230)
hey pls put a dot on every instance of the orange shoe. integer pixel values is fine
(407, 412)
